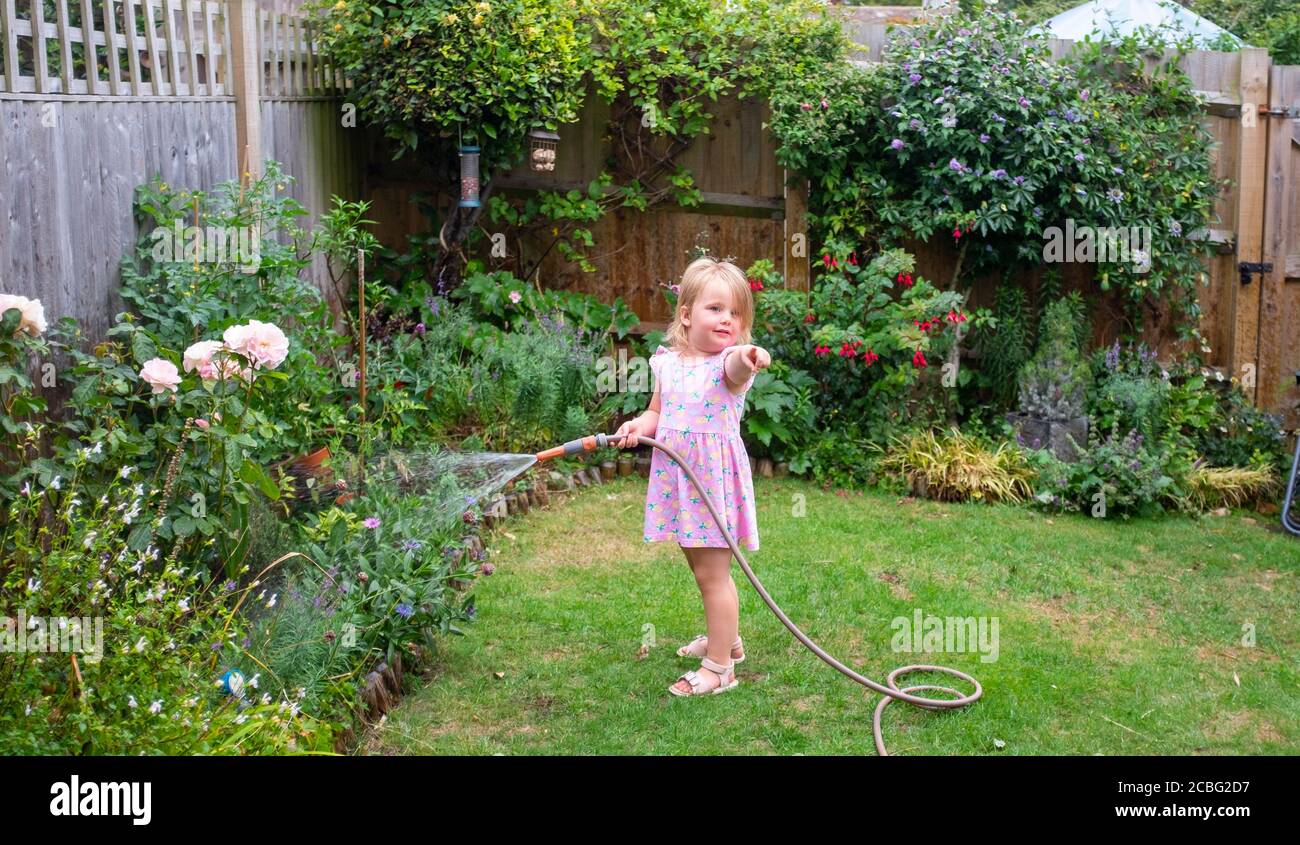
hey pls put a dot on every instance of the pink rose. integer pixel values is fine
(515, 296)
(33, 313)
(161, 374)
(201, 423)
(199, 357)
(263, 344)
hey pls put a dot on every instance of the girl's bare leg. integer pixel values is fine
(712, 569)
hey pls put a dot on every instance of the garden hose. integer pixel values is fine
(889, 690)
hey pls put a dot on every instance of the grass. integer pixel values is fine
(1114, 637)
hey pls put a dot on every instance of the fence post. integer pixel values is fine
(798, 249)
(246, 86)
(1252, 148)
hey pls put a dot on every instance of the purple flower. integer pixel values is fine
(1019, 180)
(371, 522)
(914, 124)
(1112, 357)
(216, 646)
(411, 545)
(1083, 95)
(228, 586)
(954, 164)
(984, 139)
(472, 612)
(419, 328)
(405, 611)
(999, 174)
(914, 78)
(1176, 228)
(999, 118)
(1079, 156)
(1023, 102)
(1071, 116)
(316, 602)
(1118, 170)
(897, 143)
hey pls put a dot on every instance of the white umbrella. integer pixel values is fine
(1104, 19)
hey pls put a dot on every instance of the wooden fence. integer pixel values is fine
(100, 96)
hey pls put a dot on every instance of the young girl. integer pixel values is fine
(699, 395)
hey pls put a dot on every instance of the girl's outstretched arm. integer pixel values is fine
(745, 360)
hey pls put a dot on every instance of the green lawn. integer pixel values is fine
(1114, 637)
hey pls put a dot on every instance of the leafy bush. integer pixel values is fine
(1213, 487)
(1006, 347)
(1238, 434)
(1117, 476)
(962, 129)
(148, 685)
(954, 467)
(1054, 383)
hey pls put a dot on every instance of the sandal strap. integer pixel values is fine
(715, 666)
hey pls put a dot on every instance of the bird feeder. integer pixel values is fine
(542, 147)
(469, 176)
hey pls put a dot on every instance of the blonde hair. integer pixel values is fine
(699, 273)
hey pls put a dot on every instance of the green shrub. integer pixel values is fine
(1054, 383)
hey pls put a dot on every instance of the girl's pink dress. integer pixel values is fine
(700, 420)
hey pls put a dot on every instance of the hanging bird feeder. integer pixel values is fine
(542, 146)
(469, 176)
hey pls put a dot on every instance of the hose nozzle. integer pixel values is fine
(573, 447)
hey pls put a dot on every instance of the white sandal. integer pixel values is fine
(697, 681)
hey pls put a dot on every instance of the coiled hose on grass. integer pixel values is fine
(890, 691)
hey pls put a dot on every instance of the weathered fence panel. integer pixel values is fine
(158, 93)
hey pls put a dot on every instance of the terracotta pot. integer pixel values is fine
(311, 465)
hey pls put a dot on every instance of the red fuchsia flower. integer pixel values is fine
(755, 284)
(956, 317)
(825, 105)
(870, 357)
(956, 233)
(846, 351)
(856, 344)
(808, 318)
(826, 259)
(905, 279)
(853, 258)
(918, 360)
(806, 106)
(821, 350)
